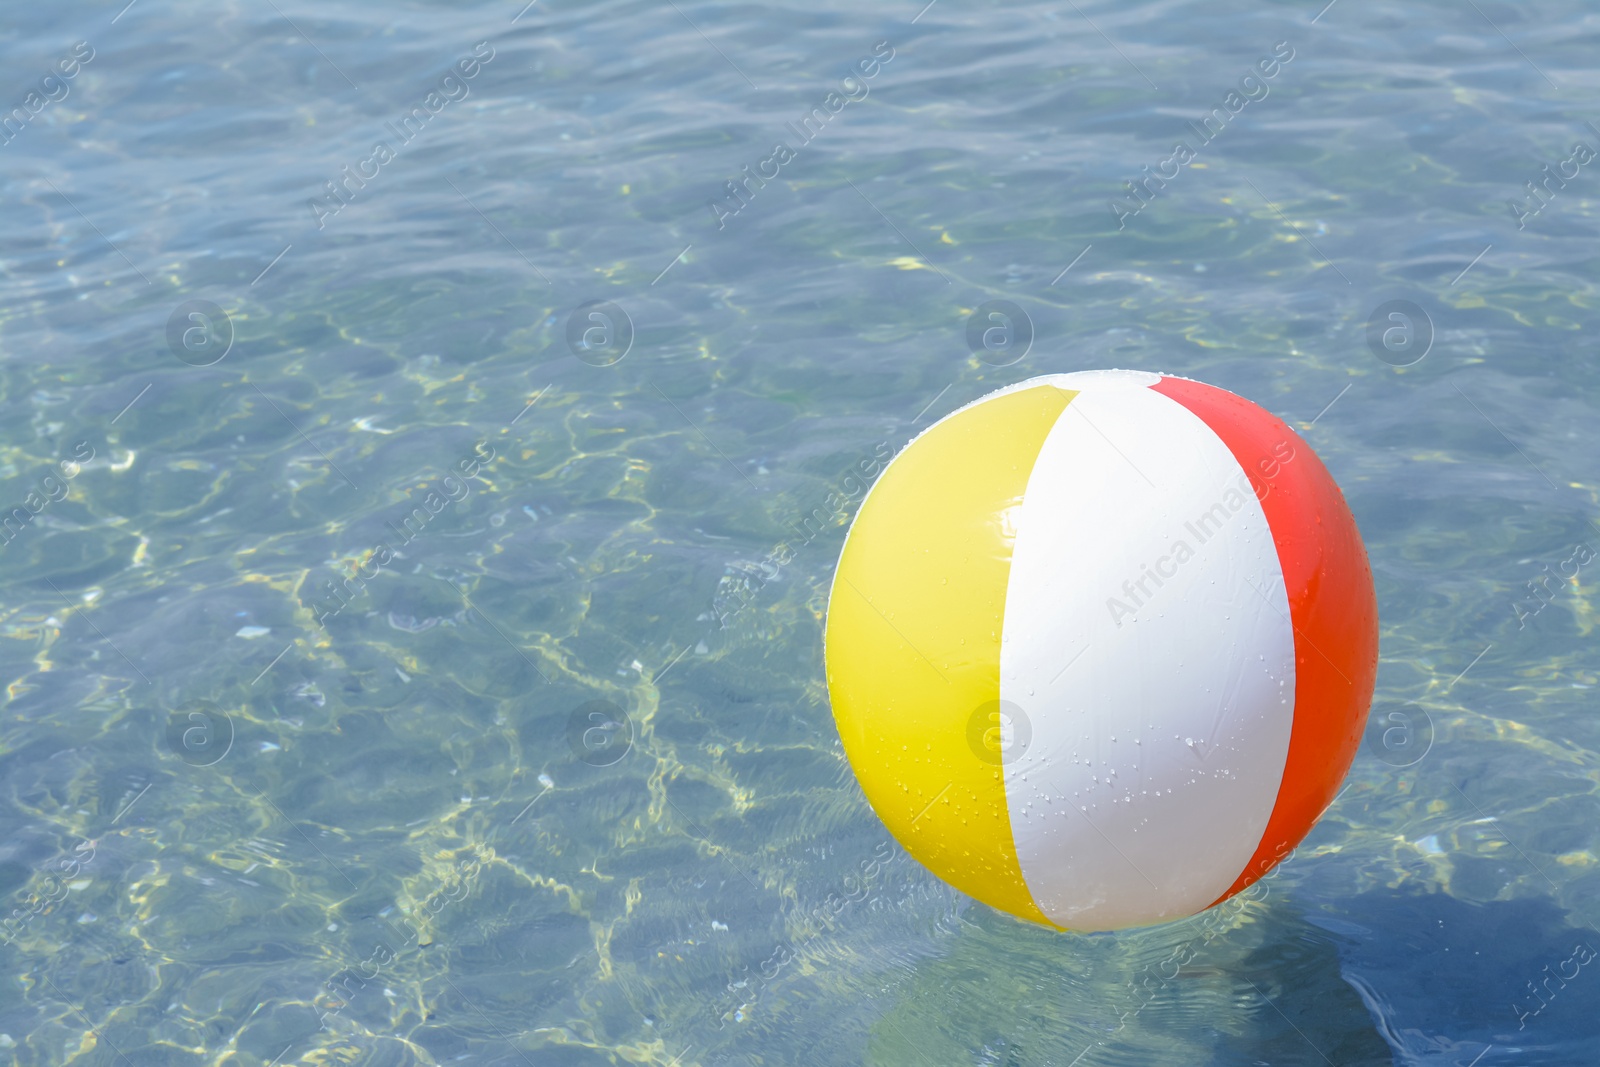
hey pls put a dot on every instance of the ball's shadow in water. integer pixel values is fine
(1446, 979)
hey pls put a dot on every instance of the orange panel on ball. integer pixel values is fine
(1332, 606)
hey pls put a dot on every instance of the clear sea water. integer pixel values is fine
(554, 780)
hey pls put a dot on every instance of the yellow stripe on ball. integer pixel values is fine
(913, 639)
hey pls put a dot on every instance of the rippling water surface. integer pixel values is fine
(386, 684)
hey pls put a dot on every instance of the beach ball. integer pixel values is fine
(1100, 646)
